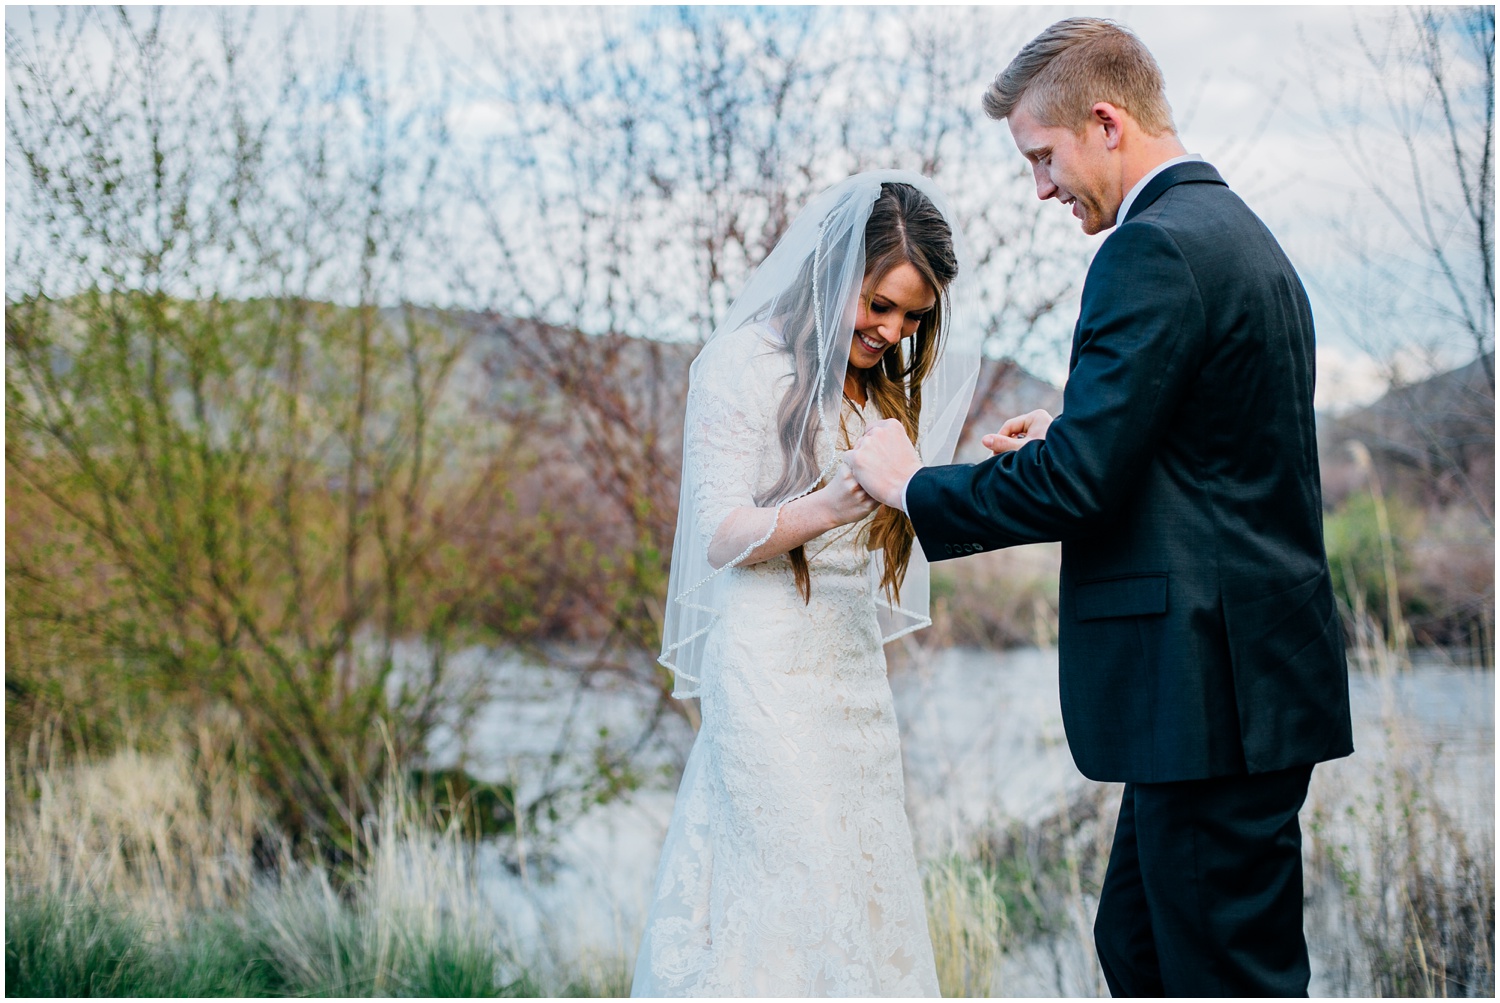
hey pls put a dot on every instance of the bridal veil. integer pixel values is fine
(803, 297)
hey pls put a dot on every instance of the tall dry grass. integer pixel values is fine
(159, 874)
(1407, 903)
(132, 876)
(1402, 893)
(966, 918)
(169, 832)
(1011, 912)
(411, 918)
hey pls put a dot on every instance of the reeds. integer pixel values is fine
(170, 832)
(1011, 913)
(966, 917)
(1401, 900)
(1401, 894)
(137, 875)
(1406, 903)
(410, 922)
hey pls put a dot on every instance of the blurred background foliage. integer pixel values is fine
(331, 355)
(310, 354)
(312, 351)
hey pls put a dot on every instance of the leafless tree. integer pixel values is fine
(1415, 118)
(632, 171)
(317, 342)
(234, 437)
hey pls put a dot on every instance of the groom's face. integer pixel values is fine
(1070, 166)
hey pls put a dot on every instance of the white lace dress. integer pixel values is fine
(788, 867)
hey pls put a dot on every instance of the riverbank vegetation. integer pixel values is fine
(282, 395)
(160, 869)
(162, 872)
(323, 376)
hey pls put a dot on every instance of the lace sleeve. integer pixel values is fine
(729, 409)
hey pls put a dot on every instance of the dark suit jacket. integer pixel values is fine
(1198, 634)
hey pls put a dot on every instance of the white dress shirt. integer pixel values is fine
(1141, 184)
(1124, 210)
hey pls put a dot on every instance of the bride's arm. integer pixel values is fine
(839, 502)
(730, 405)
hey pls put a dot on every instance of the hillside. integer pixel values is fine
(1432, 442)
(1432, 445)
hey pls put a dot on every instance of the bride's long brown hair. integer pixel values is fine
(904, 227)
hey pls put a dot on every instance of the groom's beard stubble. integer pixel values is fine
(1091, 214)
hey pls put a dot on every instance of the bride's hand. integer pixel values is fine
(1018, 431)
(844, 501)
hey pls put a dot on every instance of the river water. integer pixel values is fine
(984, 747)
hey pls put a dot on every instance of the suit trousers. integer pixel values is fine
(1203, 893)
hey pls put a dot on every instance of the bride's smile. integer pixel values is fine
(889, 310)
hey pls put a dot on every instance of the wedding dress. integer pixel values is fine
(788, 867)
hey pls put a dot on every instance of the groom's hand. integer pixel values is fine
(883, 460)
(1018, 432)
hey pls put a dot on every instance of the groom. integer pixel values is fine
(1200, 654)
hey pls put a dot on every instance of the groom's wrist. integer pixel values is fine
(904, 487)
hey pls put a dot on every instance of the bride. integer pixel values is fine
(788, 867)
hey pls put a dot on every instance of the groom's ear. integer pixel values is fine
(1111, 118)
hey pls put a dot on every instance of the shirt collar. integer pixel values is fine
(1141, 184)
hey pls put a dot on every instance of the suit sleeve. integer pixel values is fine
(1139, 344)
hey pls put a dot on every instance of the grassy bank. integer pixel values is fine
(1405, 909)
(157, 875)
(162, 874)
(59, 947)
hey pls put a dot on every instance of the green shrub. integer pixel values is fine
(1357, 550)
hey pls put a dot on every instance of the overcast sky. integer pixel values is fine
(1224, 67)
(1244, 85)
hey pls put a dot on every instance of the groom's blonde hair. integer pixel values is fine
(1077, 62)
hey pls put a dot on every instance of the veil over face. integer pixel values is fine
(802, 300)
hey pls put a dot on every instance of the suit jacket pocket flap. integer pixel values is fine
(1138, 595)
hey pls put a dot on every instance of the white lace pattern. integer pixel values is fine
(788, 867)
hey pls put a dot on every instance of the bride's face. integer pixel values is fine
(889, 310)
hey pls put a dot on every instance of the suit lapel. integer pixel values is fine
(1177, 174)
